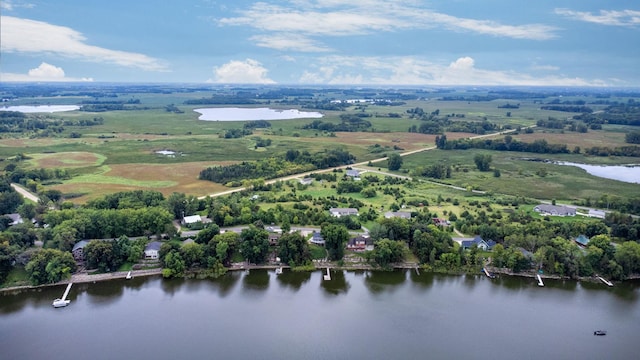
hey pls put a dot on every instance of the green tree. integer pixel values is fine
(335, 237)
(222, 246)
(192, 254)
(8, 255)
(293, 249)
(389, 251)
(628, 256)
(483, 161)
(99, 254)
(205, 235)
(174, 265)
(49, 266)
(394, 162)
(254, 244)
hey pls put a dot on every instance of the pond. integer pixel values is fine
(247, 114)
(626, 173)
(27, 109)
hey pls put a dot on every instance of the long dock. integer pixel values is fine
(66, 292)
(609, 283)
(540, 283)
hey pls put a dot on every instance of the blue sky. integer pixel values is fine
(330, 42)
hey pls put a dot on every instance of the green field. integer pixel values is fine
(120, 154)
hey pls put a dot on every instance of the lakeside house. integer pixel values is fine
(479, 242)
(397, 214)
(338, 212)
(273, 238)
(554, 210)
(360, 243)
(78, 250)
(152, 250)
(316, 238)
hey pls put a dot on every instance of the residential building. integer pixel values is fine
(338, 212)
(554, 210)
(152, 250)
(398, 214)
(78, 250)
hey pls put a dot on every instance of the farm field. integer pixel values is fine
(120, 152)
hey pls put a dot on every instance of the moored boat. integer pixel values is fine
(600, 333)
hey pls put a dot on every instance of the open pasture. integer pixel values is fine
(520, 177)
(166, 178)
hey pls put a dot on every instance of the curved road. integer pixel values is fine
(364, 163)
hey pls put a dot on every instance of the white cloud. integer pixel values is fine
(337, 18)
(10, 5)
(43, 73)
(605, 17)
(288, 42)
(416, 71)
(248, 71)
(30, 36)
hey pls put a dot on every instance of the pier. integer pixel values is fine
(540, 283)
(63, 300)
(327, 276)
(609, 283)
(489, 275)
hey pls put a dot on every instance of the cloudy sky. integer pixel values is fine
(356, 42)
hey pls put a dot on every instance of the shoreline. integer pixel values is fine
(83, 278)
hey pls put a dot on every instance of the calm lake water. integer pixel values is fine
(40, 108)
(356, 315)
(246, 114)
(629, 173)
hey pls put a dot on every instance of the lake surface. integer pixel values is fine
(356, 315)
(626, 173)
(40, 108)
(246, 114)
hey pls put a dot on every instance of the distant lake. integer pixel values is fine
(626, 173)
(246, 114)
(40, 108)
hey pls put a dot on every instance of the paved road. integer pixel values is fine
(364, 163)
(25, 193)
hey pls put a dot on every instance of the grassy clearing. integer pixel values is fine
(524, 178)
(317, 252)
(17, 277)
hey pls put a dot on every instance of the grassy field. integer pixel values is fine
(524, 178)
(121, 153)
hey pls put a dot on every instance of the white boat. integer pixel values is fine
(128, 275)
(62, 302)
(279, 271)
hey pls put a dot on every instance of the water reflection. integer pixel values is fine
(293, 279)
(171, 286)
(256, 280)
(337, 285)
(422, 280)
(380, 281)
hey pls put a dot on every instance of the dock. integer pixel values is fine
(489, 275)
(540, 283)
(327, 276)
(609, 283)
(63, 300)
(417, 271)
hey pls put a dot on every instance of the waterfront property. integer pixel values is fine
(360, 243)
(152, 250)
(316, 238)
(554, 210)
(479, 242)
(78, 250)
